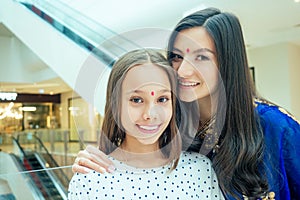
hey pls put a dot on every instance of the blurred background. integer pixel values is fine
(56, 56)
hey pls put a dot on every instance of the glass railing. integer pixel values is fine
(42, 159)
(41, 166)
(54, 146)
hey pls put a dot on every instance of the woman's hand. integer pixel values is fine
(92, 159)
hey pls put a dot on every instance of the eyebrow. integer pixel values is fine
(197, 50)
(140, 91)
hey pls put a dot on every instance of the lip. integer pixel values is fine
(148, 129)
(188, 84)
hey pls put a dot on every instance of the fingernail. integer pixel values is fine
(102, 170)
(111, 169)
(86, 170)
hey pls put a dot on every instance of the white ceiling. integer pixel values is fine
(264, 23)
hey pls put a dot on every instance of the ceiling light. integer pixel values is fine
(28, 108)
(297, 1)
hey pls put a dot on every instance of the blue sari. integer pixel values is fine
(282, 154)
(282, 151)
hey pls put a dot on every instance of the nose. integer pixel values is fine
(150, 112)
(185, 69)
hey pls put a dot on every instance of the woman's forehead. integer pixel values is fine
(194, 38)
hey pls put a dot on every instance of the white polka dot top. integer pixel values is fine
(193, 178)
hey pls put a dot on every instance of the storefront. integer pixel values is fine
(28, 111)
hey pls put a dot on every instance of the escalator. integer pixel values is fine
(77, 48)
(83, 40)
(44, 181)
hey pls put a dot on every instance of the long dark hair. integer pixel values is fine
(113, 133)
(240, 157)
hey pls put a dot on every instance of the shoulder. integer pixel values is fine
(193, 158)
(275, 115)
(79, 178)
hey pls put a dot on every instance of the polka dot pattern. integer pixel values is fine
(193, 178)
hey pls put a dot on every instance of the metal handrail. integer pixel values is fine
(54, 164)
(77, 27)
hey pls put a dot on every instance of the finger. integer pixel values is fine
(80, 169)
(90, 164)
(86, 155)
(99, 157)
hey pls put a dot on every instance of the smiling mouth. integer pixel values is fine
(150, 129)
(186, 84)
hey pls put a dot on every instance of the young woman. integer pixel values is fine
(140, 135)
(257, 153)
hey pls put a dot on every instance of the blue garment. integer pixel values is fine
(282, 138)
(282, 151)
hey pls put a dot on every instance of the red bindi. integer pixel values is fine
(152, 93)
(187, 50)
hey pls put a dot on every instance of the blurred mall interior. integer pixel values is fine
(56, 56)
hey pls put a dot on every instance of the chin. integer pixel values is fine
(188, 98)
(148, 142)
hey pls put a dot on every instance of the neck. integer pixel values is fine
(207, 108)
(132, 145)
(140, 160)
(136, 154)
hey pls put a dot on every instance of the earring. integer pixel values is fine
(119, 141)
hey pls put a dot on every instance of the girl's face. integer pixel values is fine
(146, 104)
(194, 59)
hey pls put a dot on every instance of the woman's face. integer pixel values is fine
(146, 107)
(194, 59)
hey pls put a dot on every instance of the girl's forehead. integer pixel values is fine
(146, 75)
(150, 89)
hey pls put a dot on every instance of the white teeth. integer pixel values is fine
(188, 84)
(149, 128)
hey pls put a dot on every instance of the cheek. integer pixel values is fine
(130, 113)
(125, 114)
(209, 75)
(167, 113)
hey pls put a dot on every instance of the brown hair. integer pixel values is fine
(112, 131)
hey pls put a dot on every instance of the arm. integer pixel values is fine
(92, 158)
(291, 153)
(282, 136)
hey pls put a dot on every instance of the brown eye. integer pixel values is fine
(136, 100)
(202, 58)
(176, 57)
(163, 99)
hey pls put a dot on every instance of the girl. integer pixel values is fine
(140, 135)
(257, 153)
